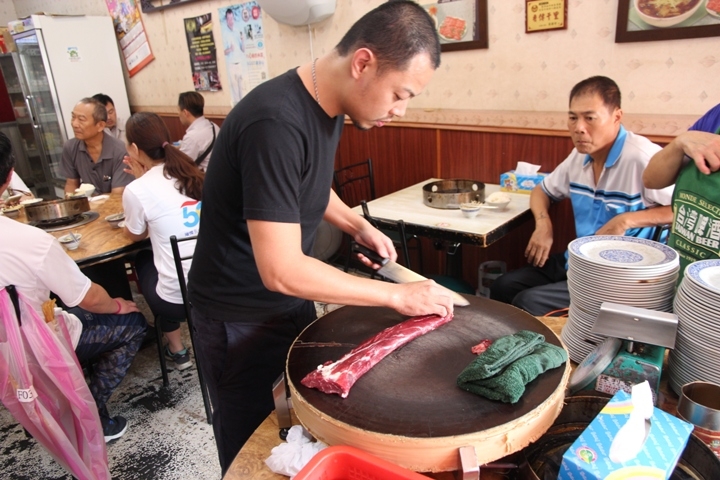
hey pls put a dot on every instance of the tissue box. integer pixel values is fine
(587, 458)
(512, 182)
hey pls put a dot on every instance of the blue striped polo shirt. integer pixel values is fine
(619, 189)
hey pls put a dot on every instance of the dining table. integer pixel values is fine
(100, 241)
(103, 248)
(449, 226)
(489, 226)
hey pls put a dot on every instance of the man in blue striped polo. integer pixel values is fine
(602, 176)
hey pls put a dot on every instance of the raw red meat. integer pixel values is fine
(482, 346)
(338, 377)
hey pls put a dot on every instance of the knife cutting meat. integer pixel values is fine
(397, 273)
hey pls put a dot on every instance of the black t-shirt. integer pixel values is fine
(273, 160)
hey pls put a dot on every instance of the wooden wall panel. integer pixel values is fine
(402, 156)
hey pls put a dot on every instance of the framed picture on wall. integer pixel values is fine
(461, 24)
(648, 20)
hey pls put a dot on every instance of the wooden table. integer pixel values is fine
(446, 224)
(100, 241)
(250, 462)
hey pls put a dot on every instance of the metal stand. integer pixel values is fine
(283, 404)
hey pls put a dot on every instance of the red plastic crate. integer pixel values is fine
(341, 462)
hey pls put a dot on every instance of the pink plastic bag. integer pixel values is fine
(43, 386)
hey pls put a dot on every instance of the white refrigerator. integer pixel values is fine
(62, 59)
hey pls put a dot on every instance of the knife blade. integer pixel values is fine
(397, 273)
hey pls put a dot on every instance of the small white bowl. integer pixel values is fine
(666, 21)
(115, 219)
(85, 189)
(69, 242)
(13, 211)
(498, 206)
(31, 201)
(470, 210)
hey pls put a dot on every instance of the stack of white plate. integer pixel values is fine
(626, 270)
(697, 346)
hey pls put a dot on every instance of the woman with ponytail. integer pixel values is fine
(163, 200)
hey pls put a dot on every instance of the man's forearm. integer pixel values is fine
(71, 184)
(650, 217)
(664, 166)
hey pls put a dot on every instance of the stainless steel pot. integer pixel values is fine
(56, 210)
(451, 193)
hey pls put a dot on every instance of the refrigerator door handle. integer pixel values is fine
(29, 101)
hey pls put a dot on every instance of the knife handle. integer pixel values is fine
(370, 254)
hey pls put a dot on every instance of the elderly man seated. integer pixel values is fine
(603, 178)
(93, 156)
(200, 135)
(110, 330)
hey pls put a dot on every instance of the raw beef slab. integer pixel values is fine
(338, 377)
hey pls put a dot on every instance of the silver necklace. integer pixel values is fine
(317, 97)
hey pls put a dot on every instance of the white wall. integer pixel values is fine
(7, 12)
(519, 72)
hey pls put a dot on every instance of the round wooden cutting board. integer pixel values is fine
(408, 408)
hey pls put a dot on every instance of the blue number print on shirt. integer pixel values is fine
(191, 213)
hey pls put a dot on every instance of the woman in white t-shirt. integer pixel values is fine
(163, 200)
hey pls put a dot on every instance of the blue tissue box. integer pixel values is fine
(512, 182)
(588, 459)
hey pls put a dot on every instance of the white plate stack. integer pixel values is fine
(606, 268)
(697, 346)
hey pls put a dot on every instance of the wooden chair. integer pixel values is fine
(174, 244)
(355, 184)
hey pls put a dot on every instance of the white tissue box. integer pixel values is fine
(587, 457)
(517, 183)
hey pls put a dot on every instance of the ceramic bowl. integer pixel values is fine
(115, 219)
(13, 211)
(470, 210)
(661, 22)
(498, 206)
(498, 201)
(69, 242)
(85, 189)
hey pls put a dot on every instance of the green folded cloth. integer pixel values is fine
(501, 353)
(509, 385)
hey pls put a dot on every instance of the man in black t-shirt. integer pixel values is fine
(264, 197)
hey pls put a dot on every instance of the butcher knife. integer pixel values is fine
(397, 273)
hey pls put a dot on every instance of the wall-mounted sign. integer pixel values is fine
(203, 57)
(130, 33)
(542, 15)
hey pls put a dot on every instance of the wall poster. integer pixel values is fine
(130, 33)
(243, 47)
(203, 56)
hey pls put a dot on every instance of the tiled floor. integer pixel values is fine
(168, 437)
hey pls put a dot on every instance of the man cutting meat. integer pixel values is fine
(268, 190)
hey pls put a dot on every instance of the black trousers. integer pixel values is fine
(537, 290)
(169, 314)
(240, 362)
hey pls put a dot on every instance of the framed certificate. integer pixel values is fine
(542, 15)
